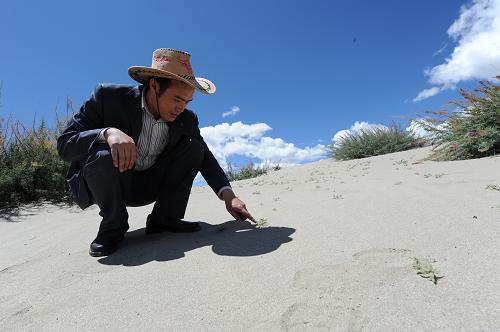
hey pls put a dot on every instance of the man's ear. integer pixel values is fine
(152, 83)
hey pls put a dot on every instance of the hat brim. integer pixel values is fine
(143, 74)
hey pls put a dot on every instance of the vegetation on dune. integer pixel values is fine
(30, 168)
(473, 130)
(373, 142)
(248, 171)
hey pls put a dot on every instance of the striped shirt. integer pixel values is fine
(152, 140)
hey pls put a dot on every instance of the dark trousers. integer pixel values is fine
(167, 183)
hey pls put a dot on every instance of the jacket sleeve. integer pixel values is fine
(210, 168)
(82, 131)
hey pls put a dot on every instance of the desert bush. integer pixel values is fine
(30, 168)
(373, 142)
(246, 172)
(472, 131)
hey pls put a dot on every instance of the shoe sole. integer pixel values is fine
(97, 254)
(101, 253)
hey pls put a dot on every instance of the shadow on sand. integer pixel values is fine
(228, 239)
(25, 211)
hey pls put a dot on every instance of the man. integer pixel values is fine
(132, 146)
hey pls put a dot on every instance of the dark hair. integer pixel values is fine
(163, 83)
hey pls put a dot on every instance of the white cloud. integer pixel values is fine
(239, 139)
(426, 93)
(477, 53)
(356, 128)
(234, 110)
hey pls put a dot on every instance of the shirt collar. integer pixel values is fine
(143, 100)
(144, 105)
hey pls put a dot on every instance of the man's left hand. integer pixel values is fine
(236, 207)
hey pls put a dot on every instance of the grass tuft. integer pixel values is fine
(30, 167)
(473, 131)
(374, 142)
(246, 172)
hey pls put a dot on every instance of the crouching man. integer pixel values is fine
(135, 145)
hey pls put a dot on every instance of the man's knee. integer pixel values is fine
(99, 161)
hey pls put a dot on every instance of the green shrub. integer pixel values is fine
(30, 168)
(373, 142)
(471, 132)
(246, 172)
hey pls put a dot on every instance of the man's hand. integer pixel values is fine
(123, 149)
(236, 207)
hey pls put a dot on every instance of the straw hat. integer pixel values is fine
(173, 64)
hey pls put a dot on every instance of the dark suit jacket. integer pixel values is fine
(119, 106)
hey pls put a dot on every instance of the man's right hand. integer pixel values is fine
(123, 149)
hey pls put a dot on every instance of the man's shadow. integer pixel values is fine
(231, 238)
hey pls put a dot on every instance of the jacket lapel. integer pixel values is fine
(135, 118)
(175, 132)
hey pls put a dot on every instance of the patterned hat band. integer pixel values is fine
(173, 64)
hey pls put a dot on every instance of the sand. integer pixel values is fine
(337, 255)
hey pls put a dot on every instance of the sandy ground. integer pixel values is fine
(337, 256)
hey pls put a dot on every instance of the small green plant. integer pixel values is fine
(471, 132)
(373, 142)
(492, 187)
(401, 162)
(262, 223)
(426, 270)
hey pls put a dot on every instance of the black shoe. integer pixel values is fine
(170, 225)
(99, 250)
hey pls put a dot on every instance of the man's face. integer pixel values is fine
(174, 100)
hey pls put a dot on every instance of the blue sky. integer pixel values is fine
(295, 73)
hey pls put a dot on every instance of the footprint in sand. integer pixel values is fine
(335, 293)
(321, 317)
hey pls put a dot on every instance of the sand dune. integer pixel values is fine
(337, 255)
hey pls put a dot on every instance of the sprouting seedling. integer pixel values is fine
(401, 162)
(262, 223)
(492, 187)
(426, 270)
